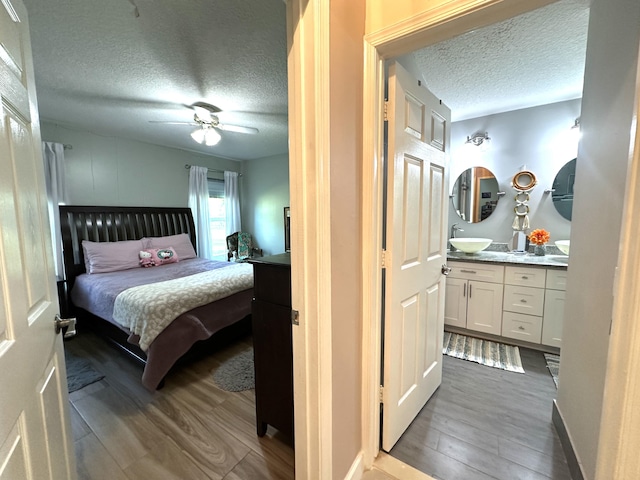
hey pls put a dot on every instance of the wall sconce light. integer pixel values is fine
(576, 124)
(478, 138)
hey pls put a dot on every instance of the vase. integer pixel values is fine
(540, 250)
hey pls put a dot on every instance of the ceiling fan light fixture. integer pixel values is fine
(211, 137)
(198, 135)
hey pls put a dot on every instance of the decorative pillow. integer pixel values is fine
(103, 257)
(152, 257)
(181, 243)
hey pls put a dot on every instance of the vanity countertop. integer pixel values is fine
(548, 261)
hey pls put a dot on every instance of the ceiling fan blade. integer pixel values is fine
(174, 123)
(237, 128)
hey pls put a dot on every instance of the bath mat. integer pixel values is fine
(553, 364)
(484, 352)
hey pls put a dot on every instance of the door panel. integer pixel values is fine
(35, 434)
(416, 241)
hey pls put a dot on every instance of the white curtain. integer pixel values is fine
(199, 204)
(231, 202)
(53, 157)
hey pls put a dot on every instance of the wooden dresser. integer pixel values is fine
(273, 354)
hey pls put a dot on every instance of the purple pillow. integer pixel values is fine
(181, 243)
(103, 257)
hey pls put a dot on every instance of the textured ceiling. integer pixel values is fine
(104, 69)
(529, 60)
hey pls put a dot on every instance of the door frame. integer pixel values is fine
(427, 28)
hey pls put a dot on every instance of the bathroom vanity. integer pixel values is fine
(519, 298)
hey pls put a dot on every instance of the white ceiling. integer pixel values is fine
(101, 68)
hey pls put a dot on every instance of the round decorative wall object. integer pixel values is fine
(524, 180)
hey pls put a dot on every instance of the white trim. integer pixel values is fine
(620, 424)
(449, 19)
(357, 468)
(308, 67)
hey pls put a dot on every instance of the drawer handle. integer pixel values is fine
(468, 271)
(524, 277)
(523, 300)
(520, 327)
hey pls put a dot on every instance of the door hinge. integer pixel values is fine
(383, 259)
(381, 394)
(386, 111)
(295, 317)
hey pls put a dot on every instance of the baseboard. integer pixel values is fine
(567, 445)
(357, 468)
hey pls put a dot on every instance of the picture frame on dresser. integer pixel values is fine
(287, 229)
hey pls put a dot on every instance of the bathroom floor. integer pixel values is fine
(486, 423)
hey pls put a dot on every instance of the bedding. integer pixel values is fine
(166, 309)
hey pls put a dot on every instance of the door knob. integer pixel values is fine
(445, 270)
(65, 325)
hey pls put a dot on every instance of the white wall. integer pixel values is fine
(115, 171)
(539, 139)
(603, 159)
(265, 193)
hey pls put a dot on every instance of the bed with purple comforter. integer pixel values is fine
(164, 310)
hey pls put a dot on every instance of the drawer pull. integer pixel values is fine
(523, 300)
(520, 327)
(524, 277)
(468, 271)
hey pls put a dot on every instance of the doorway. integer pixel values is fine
(380, 49)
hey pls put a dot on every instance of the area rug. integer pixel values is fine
(80, 373)
(553, 364)
(484, 352)
(236, 374)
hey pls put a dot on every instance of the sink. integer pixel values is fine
(563, 245)
(470, 245)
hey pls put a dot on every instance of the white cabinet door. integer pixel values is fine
(553, 316)
(484, 307)
(455, 307)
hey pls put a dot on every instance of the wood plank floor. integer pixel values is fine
(190, 429)
(485, 423)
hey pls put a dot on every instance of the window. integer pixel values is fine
(217, 219)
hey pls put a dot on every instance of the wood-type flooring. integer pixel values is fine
(190, 429)
(485, 423)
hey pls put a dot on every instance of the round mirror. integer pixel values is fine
(562, 194)
(475, 194)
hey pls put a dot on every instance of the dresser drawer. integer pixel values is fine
(527, 300)
(557, 279)
(477, 271)
(522, 327)
(525, 276)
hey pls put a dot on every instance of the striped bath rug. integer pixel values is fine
(484, 352)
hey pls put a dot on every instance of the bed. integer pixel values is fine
(179, 307)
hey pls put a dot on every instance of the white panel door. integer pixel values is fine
(35, 435)
(417, 180)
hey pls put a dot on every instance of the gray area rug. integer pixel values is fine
(484, 352)
(80, 373)
(553, 364)
(236, 374)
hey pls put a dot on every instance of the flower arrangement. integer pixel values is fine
(539, 236)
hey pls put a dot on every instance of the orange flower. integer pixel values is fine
(539, 236)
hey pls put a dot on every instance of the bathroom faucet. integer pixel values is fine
(454, 228)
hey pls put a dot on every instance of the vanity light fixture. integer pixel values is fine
(478, 138)
(206, 134)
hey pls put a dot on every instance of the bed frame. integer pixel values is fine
(110, 224)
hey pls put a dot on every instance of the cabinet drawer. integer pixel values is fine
(527, 300)
(522, 327)
(557, 279)
(477, 271)
(525, 276)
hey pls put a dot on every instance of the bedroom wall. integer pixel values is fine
(265, 193)
(116, 171)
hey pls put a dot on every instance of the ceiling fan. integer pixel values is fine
(208, 124)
